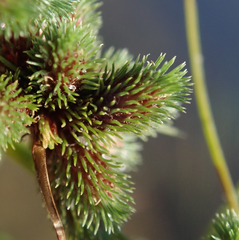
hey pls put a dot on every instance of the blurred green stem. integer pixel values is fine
(208, 125)
(21, 154)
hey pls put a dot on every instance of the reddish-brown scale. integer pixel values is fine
(53, 127)
(13, 50)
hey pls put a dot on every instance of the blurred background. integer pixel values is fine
(177, 189)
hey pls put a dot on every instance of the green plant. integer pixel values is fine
(81, 108)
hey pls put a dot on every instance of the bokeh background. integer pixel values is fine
(177, 189)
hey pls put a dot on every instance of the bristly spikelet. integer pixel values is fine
(226, 226)
(14, 111)
(17, 17)
(90, 189)
(62, 59)
(130, 98)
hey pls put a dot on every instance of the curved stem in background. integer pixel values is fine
(205, 113)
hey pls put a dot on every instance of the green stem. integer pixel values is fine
(22, 155)
(208, 125)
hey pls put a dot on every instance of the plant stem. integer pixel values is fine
(204, 109)
(21, 154)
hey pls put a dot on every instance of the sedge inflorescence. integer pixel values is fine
(85, 110)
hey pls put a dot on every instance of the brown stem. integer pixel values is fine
(39, 157)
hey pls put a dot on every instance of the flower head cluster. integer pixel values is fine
(88, 112)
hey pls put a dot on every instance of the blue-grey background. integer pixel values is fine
(177, 189)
